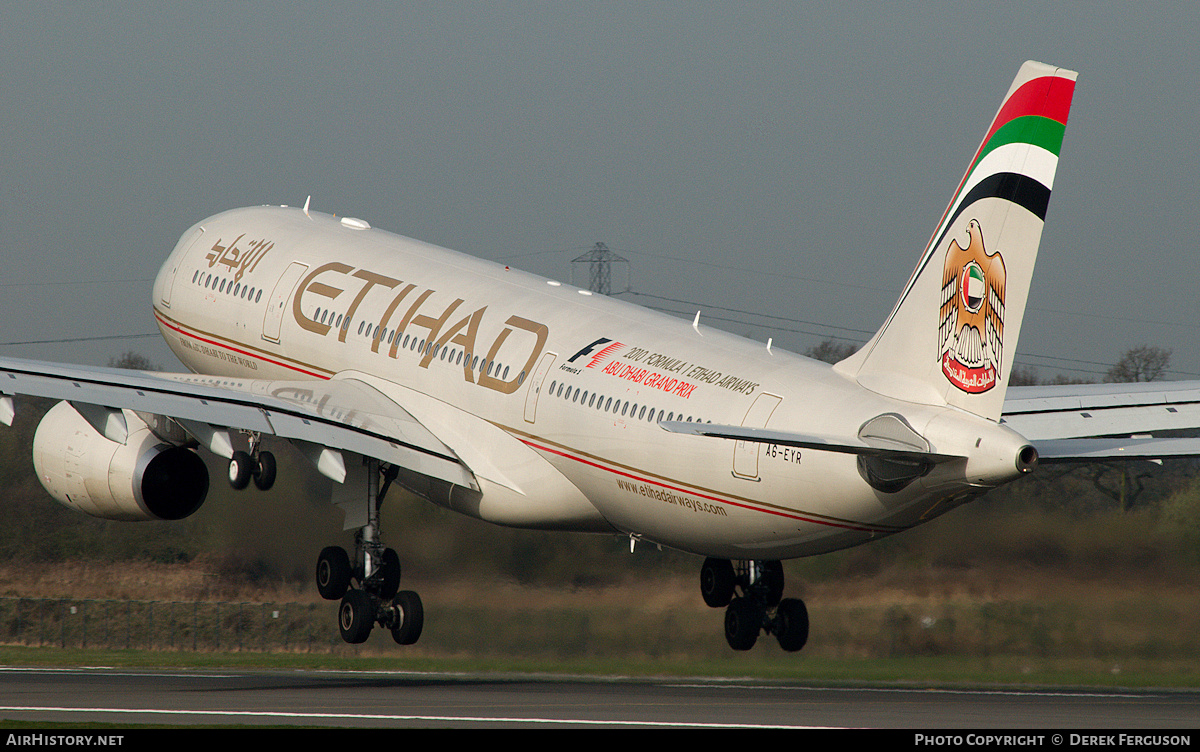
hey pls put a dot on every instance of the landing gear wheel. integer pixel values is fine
(791, 624)
(264, 471)
(240, 469)
(716, 582)
(410, 617)
(389, 574)
(771, 576)
(743, 620)
(356, 616)
(333, 573)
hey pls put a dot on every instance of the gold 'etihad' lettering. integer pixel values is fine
(464, 333)
(541, 331)
(372, 279)
(318, 288)
(434, 326)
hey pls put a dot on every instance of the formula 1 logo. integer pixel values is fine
(971, 336)
(601, 355)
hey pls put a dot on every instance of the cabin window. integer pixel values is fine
(258, 297)
(642, 414)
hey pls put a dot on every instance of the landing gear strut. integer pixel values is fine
(760, 608)
(369, 589)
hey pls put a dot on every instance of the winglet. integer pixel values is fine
(951, 337)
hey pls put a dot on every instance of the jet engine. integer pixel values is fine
(142, 478)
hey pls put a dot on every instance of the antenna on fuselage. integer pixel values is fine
(306, 202)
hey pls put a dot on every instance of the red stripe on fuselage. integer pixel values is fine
(226, 346)
(741, 505)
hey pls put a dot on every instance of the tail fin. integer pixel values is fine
(951, 337)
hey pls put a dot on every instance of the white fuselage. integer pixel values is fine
(582, 379)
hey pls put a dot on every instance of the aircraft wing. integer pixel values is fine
(322, 418)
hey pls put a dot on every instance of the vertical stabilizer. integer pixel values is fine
(952, 335)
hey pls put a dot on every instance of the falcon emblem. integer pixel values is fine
(971, 336)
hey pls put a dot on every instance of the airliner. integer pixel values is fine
(529, 403)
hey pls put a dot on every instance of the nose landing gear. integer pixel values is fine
(761, 606)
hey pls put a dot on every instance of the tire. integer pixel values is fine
(333, 573)
(264, 471)
(411, 615)
(240, 469)
(743, 620)
(356, 616)
(716, 582)
(791, 624)
(389, 574)
(772, 579)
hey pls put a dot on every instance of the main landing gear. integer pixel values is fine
(370, 588)
(760, 607)
(377, 599)
(254, 464)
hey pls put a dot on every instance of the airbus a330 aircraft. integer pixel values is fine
(525, 402)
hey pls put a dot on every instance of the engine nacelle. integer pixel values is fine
(141, 479)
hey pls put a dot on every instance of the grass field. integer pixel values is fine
(935, 626)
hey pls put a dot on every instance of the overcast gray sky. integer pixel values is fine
(784, 160)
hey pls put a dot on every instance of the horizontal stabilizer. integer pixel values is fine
(843, 445)
(1062, 451)
(1064, 411)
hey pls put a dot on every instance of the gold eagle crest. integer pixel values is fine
(971, 335)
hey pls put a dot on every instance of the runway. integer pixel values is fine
(369, 699)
